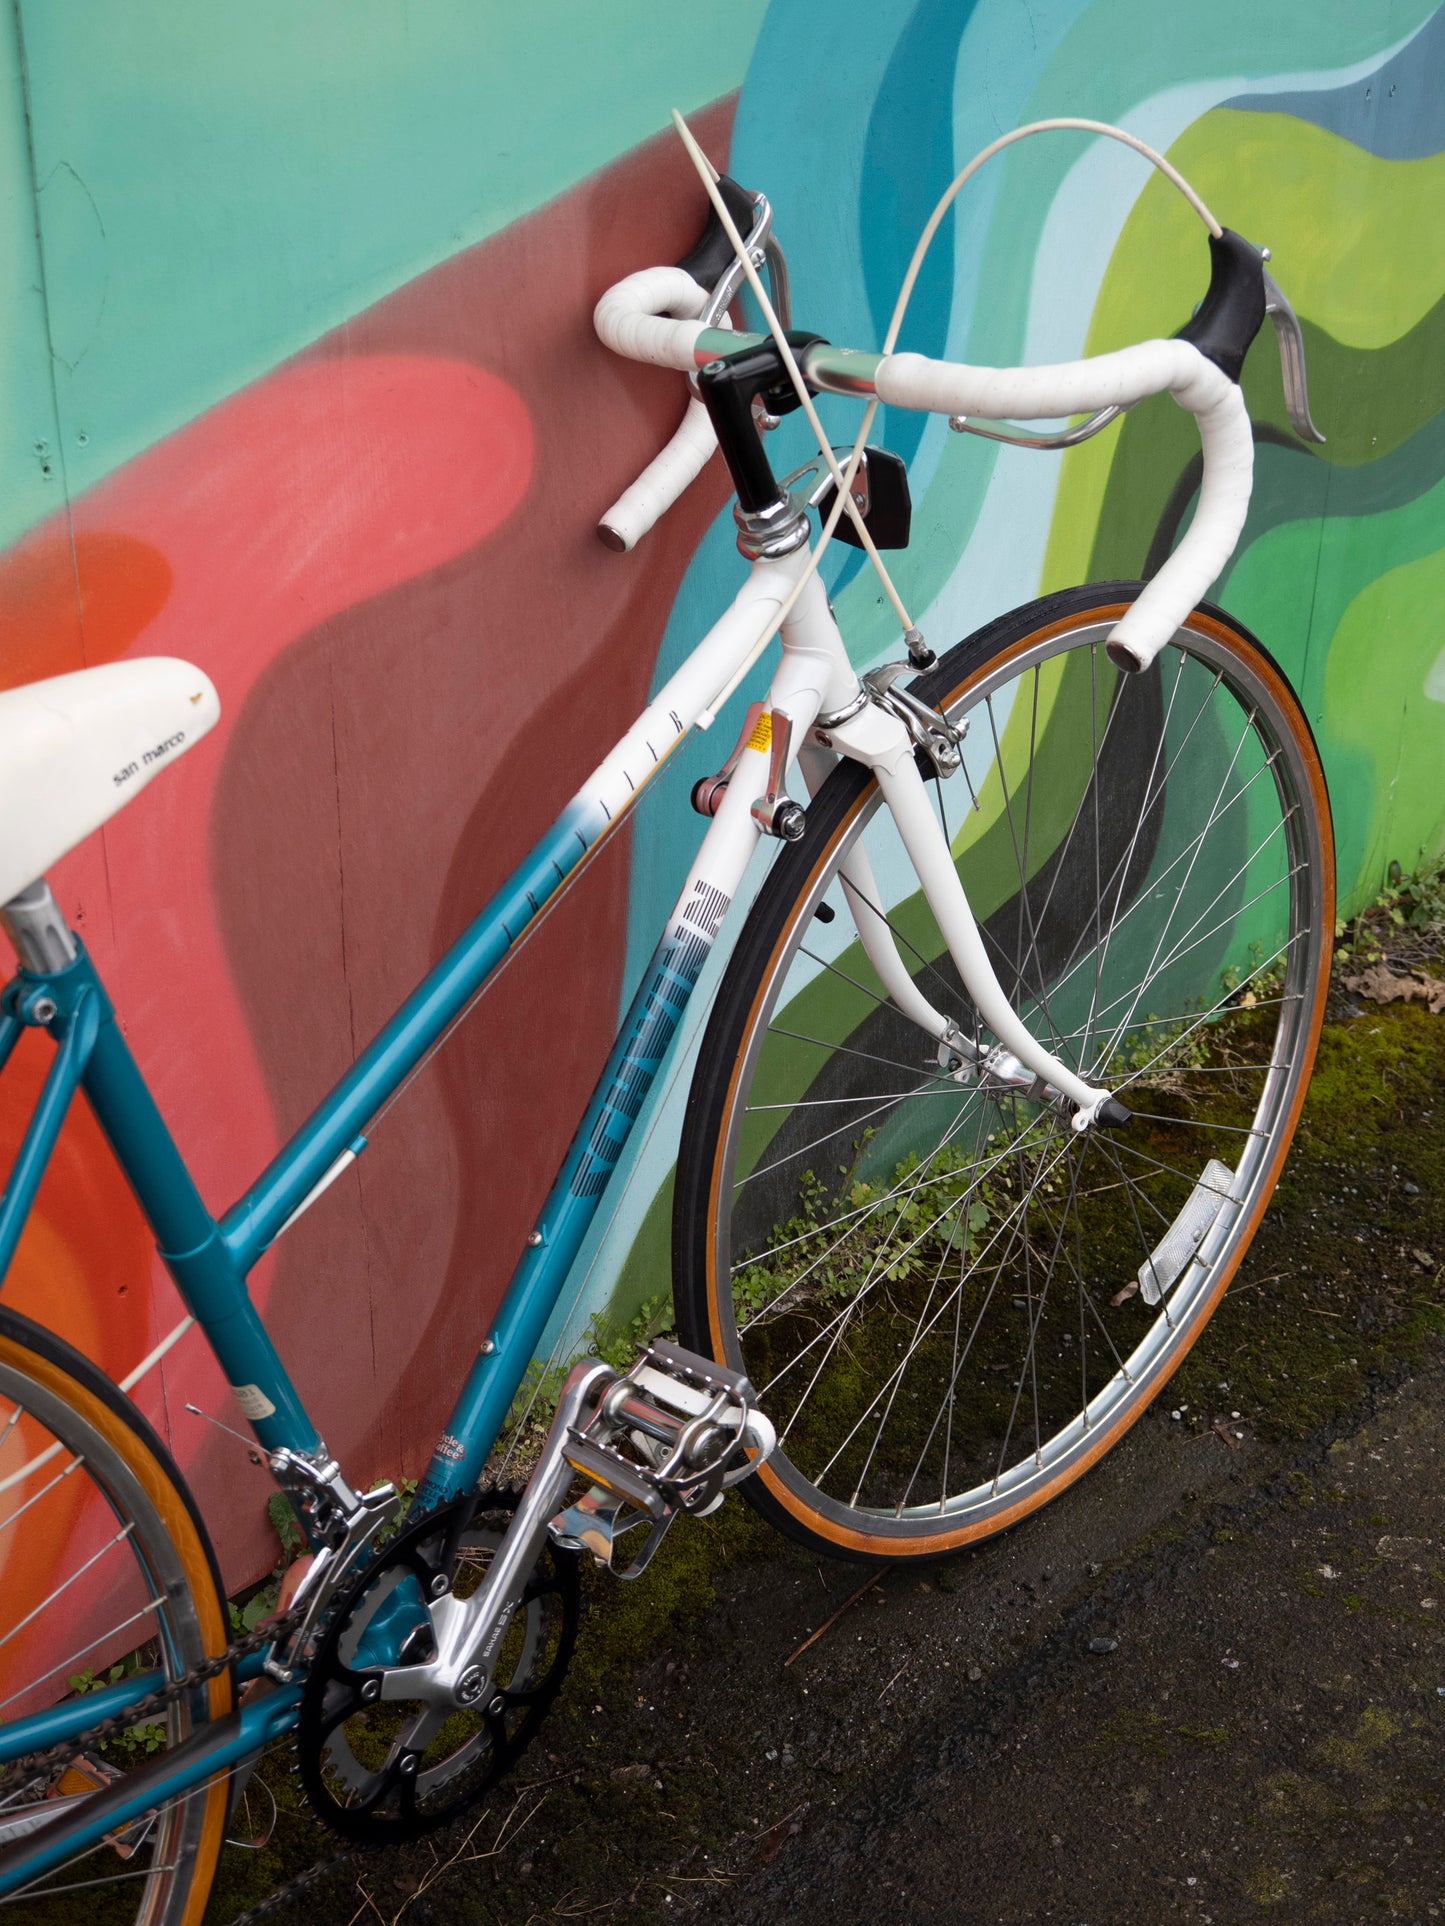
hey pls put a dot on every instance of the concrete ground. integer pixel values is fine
(1208, 1682)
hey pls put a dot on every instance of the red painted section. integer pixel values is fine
(383, 555)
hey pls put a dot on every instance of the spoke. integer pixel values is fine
(1076, 962)
(869, 1207)
(1155, 798)
(109, 1545)
(1121, 869)
(1130, 1191)
(1171, 1170)
(84, 1885)
(959, 1216)
(883, 1002)
(1199, 1123)
(835, 1329)
(938, 1089)
(1275, 883)
(1034, 1319)
(151, 1605)
(856, 896)
(843, 1049)
(814, 1143)
(1039, 993)
(35, 1497)
(1215, 1008)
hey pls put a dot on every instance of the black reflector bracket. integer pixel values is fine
(880, 490)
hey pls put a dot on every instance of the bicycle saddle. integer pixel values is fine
(75, 748)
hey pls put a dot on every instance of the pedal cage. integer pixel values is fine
(669, 1436)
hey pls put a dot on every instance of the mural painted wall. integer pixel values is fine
(299, 383)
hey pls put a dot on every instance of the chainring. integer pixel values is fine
(379, 1771)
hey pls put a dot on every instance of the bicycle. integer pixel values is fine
(913, 1206)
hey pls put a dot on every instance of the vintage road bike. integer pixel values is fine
(999, 1077)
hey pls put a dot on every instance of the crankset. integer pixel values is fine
(382, 1765)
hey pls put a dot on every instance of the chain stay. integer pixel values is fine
(32, 1764)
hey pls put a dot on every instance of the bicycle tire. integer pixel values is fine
(76, 1459)
(915, 1271)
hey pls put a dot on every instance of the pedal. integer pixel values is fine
(671, 1435)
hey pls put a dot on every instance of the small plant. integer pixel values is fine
(139, 1741)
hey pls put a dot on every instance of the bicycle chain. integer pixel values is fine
(31, 1764)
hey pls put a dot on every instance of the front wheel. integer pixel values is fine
(950, 1302)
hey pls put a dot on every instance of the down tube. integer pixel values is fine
(637, 1056)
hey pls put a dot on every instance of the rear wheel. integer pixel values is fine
(950, 1302)
(104, 1567)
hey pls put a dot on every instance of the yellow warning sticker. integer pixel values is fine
(762, 736)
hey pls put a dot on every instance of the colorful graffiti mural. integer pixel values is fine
(302, 386)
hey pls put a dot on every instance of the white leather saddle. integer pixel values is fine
(76, 748)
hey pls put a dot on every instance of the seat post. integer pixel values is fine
(33, 922)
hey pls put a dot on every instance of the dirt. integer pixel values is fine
(1209, 1681)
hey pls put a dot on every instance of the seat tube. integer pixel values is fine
(206, 1274)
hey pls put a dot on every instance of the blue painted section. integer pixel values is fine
(75, 1030)
(602, 1135)
(254, 1220)
(907, 163)
(1398, 113)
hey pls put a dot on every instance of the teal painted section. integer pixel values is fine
(219, 187)
(1064, 246)
(31, 476)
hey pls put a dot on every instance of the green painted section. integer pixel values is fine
(1117, 54)
(1363, 650)
(30, 473)
(218, 187)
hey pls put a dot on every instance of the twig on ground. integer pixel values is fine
(833, 1617)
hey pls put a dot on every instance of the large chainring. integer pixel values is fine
(382, 1770)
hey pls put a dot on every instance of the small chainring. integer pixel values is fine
(382, 1770)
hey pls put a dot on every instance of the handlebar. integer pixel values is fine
(654, 317)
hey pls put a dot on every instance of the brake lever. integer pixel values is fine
(1291, 359)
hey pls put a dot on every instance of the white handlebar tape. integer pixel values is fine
(661, 483)
(631, 317)
(1117, 380)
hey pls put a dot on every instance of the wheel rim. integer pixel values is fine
(1199, 837)
(103, 1578)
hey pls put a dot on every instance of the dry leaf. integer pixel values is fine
(776, 1837)
(1381, 984)
(1128, 1291)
